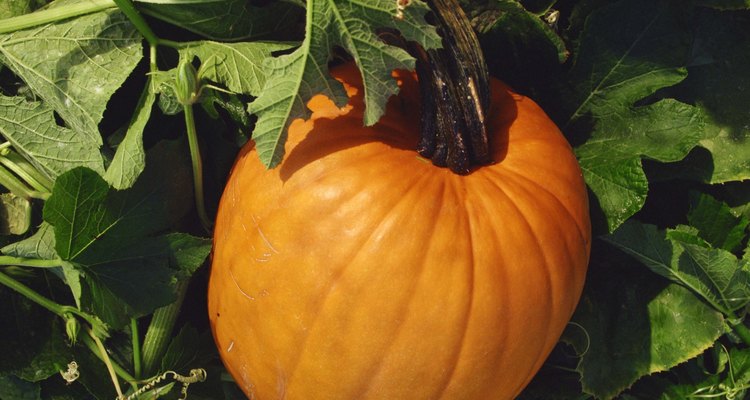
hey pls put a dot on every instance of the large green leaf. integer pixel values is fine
(627, 52)
(294, 78)
(715, 275)
(32, 129)
(114, 265)
(75, 65)
(629, 325)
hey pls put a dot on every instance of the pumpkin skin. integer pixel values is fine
(357, 270)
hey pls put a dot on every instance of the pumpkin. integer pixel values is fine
(358, 270)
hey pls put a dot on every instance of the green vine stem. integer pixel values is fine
(29, 262)
(136, 340)
(107, 361)
(97, 348)
(17, 187)
(127, 8)
(60, 310)
(159, 332)
(195, 157)
(25, 170)
(47, 16)
(740, 329)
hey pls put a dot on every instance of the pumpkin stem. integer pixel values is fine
(454, 83)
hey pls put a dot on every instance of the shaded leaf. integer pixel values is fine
(716, 223)
(75, 65)
(188, 350)
(33, 340)
(33, 131)
(13, 388)
(719, 83)
(227, 19)
(294, 78)
(630, 325)
(681, 256)
(105, 236)
(628, 51)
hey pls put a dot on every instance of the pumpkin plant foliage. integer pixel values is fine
(100, 239)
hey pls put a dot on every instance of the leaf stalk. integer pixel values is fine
(197, 162)
(51, 15)
(160, 330)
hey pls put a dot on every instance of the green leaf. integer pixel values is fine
(188, 350)
(75, 65)
(227, 19)
(628, 51)
(611, 158)
(131, 287)
(13, 388)
(130, 157)
(526, 28)
(236, 66)
(31, 128)
(40, 245)
(105, 235)
(76, 209)
(93, 222)
(715, 275)
(294, 78)
(716, 223)
(187, 253)
(629, 325)
(13, 8)
(15, 214)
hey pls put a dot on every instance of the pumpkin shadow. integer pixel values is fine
(399, 128)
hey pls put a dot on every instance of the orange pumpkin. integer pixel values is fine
(358, 270)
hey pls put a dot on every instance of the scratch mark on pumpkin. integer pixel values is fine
(231, 275)
(265, 239)
(231, 346)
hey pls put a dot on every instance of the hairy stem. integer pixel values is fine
(29, 262)
(96, 346)
(741, 330)
(17, 187)
(136, 340)
(197, 162)
(32, 295)
(51, 15)
(25, 170)
(159, 332)
(127, 8)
